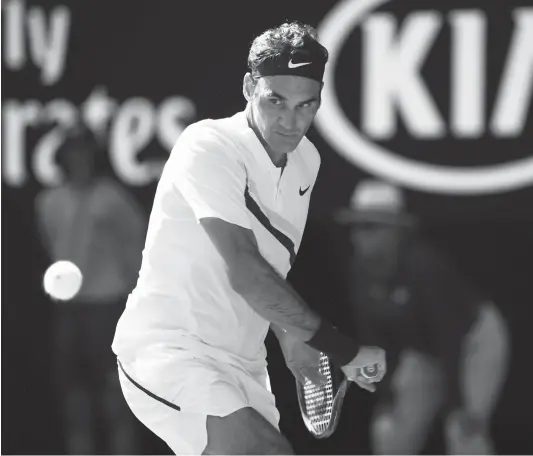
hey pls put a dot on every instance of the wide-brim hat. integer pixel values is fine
(375, 201)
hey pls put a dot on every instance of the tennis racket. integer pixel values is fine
(321, 405)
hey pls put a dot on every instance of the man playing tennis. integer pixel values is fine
(227, 221)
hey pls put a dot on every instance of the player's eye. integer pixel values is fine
(308, 104)
(275, 101)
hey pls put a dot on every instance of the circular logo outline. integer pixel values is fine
(338, 131)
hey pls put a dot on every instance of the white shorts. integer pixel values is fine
(172, 395)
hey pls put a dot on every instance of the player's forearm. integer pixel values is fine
(277, 330)
(274, 299)
(282, 335)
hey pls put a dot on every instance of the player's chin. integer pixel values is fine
(286, 144)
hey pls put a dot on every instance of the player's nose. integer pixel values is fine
(288, 123)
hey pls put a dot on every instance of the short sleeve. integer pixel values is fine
(209, 174)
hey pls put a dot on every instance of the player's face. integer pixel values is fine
(283, 109)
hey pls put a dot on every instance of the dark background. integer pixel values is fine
(156, 49)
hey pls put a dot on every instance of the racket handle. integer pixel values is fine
(370, 371)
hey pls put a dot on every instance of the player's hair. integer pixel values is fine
(286, 38)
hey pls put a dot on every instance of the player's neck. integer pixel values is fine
(279, 159)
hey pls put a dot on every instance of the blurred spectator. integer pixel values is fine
(447, 347)
(95, 223)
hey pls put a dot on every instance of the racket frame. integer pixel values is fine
(336, 409)
(338, 399)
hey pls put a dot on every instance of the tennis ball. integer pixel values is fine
(62, 280)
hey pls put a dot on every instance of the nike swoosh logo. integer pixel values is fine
(296, 65)
(303, 192)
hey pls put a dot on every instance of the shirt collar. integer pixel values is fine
(253, 143)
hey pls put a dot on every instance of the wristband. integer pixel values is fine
(329, 340)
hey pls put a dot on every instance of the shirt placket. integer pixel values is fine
(277, 177)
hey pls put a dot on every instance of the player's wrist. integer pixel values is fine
(339, 347)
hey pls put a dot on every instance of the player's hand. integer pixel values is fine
(302, 360)
(366, 357)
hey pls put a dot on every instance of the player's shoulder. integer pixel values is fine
(221, 131)
(205, 141)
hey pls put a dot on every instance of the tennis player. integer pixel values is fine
(227, 221)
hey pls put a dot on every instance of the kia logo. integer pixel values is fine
(392, 57)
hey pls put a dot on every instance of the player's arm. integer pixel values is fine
(209, 174)
(275, 300)
(278, 331)
(258, 283)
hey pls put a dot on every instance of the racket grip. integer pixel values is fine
(370, 371)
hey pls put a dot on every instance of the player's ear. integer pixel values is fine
(248, 86)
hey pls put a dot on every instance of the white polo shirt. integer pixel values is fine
(183, 298)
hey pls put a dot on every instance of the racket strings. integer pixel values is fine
(319, 399)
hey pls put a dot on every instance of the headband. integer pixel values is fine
(296, 63)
